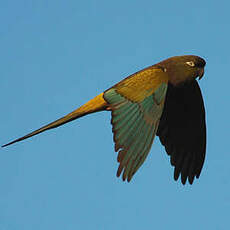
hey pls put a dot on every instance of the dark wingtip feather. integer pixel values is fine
(191, 179)
(123, 177)
(119, 170)
(129, 179)
(185, 169)
(177, 170)
(176, 175)
(183, 179)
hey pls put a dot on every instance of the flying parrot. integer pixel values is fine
(164, 100)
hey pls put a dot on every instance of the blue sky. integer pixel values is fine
(56, 55)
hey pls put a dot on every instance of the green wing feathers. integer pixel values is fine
(134, 127)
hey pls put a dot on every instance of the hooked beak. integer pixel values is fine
(200, 73)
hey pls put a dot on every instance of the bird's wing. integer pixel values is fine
(136, 104)
(182, 130)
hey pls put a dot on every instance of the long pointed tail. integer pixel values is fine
(95, 105)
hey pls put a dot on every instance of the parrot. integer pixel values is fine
(161, 100)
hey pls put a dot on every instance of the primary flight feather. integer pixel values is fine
(163, 100)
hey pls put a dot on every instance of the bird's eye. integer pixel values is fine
(190, 63)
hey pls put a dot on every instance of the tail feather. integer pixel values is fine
(95, 105)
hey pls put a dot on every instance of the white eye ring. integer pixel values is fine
(191, 63)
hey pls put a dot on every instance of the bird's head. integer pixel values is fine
(183, 68)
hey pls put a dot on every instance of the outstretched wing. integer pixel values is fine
(137, 104)
(182, 130)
